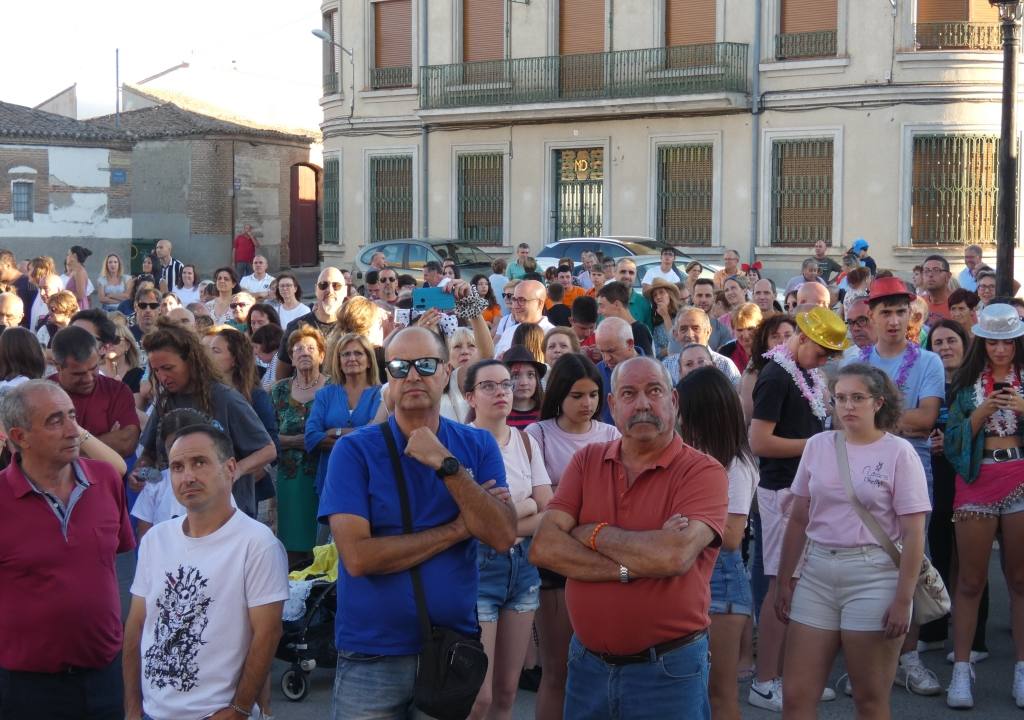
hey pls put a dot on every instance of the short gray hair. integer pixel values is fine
(615, 327)
(666, 376)
(15, 405)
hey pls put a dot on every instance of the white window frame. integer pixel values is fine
(772, 26)
(549, 206)
(32, 199)
(768, 137)
(336, 155)
(908, 131)
(502, 149)
(397, 150)
(658, 35)
(658, 141)
(334, 7)
(370, 47)
(553, 27)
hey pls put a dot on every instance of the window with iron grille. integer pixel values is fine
(390, 197)
(21, 200)
(801, 191)
(685, 188)
(481, 198)
(954, 189)
(332, 203)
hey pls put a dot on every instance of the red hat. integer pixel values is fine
(888, 287)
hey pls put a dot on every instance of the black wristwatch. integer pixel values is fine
(449, 466)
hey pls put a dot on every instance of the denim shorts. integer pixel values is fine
(730, 586)
(507, 582)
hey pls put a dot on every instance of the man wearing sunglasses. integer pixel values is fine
(147, 308)
(448, 468)
(388, 286)
(330, 294)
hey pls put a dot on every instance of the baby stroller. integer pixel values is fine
(308, 638)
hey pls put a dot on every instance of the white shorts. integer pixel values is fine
(774, 506)
(845, 588)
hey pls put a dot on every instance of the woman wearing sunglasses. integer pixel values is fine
(509, 587)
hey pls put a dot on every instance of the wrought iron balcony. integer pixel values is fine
(806, 45)
(389, 78)
(682, 70)
(330, 83)
(959, 36)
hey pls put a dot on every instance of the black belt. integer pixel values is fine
(651, 654)
(1004, 454)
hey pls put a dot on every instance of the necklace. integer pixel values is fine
(814, 393)
(1001, 423)
(909, 357)
(312, 385)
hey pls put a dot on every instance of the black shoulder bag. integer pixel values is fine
(452, 666)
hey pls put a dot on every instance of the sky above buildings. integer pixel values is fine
(255, 58)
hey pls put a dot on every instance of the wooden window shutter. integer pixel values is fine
(392, 33)
(581, 26)
(802, 191)
(800, 16)
(982, 11)
(689, 22)
(942, 11)
(483, 30)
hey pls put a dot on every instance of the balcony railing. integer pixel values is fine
(800, 46)
(330, 83)
(682, 70)
(386, 78)
(959, 36)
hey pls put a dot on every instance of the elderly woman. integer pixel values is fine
(354, 400)
(745, 320)
(292, 398)
(559, 341)
(664, 299)
(186, 377)
(241, 304)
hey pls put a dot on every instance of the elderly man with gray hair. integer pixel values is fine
(692, 325)
(614, 340)
(643, 506)
(12, 310)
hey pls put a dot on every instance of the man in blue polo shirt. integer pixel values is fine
(445, 465)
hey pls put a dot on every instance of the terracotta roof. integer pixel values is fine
(24, 123)
(169, 121)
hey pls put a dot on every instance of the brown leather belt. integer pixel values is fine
(651, 654)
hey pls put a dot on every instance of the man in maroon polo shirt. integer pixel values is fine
(637, 540)
(104, 406)
(65, 519)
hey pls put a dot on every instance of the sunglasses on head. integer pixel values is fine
(148, 306)
(425, 367)
(325, 285)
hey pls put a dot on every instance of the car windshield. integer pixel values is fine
(463, 254)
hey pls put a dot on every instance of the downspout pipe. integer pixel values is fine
(424, 131)
(755, 131)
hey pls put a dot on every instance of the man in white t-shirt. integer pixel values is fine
(207, 598)
(259, 282)
(665, 271)
(528, 300)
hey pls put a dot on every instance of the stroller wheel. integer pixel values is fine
(294, 684)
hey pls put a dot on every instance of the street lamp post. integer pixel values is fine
(1009, 15)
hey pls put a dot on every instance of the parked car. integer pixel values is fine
(645, 251)
(646, 262)
(409, 255)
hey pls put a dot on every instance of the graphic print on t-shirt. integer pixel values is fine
(875, 476)
(178, 631)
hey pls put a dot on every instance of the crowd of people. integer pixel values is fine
(602, 479)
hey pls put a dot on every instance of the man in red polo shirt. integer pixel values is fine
(637, 541)
(104, 406)
(244, 250)
(65, 519)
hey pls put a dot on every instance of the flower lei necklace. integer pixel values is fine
(910, 356)
(814, 393)
(1002, 423)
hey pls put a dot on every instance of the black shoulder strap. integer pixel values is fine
(403, 497)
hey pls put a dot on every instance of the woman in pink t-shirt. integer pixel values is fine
(849, 592)
(572, 401)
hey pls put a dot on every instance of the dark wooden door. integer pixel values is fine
(302, 239)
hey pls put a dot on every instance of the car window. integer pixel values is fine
(466, 254)
(572, 250)
(419, 255)
(392, 254)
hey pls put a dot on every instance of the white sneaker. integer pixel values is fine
(959, 693)
(1018, 684)
(766, 695)
(916, 677)
(976, 657)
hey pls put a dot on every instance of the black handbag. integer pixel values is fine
(452, 666)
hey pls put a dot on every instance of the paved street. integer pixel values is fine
(992, 693)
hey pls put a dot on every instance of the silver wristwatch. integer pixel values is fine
(623, 574)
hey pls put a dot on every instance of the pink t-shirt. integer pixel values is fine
(743, 479)
(887, 477)
(557, 446)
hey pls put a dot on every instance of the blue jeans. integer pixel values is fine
(730, 586)
(758, 581)
(507, 582)
(373, 687)
(674, 686)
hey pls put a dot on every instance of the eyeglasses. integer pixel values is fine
(933, 270)
(521, 300)
(425, 367)
(325, 285)
(855, 399)
(507, 296)
(148, 306)
(352, 354)
(858, 322)
(490, 387)
(235, 306)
